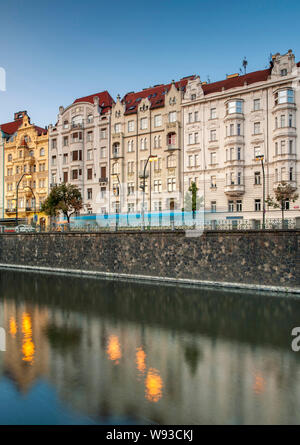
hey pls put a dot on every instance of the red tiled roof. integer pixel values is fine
(238, 81)
(105, 100)
(11, 127)
(156, 95)
(40, 130)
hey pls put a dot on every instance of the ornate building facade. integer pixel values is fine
(26, 170)
(228, 124)
(79, 150)
(147, 126)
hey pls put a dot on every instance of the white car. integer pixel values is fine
(24, 228)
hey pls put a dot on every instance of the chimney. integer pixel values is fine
(19, 115)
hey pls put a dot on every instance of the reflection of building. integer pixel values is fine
(27, 355)
(229, 123)
(26, 152)
(78, 149)
(146, 123)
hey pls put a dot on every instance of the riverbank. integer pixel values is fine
(253, 260)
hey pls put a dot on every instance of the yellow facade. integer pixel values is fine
(26, 164)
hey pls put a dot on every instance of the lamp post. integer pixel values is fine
(115, 175)
(151, 158)
(17, 193)
(261, 159)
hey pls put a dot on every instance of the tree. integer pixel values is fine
(284, 192)
(65, 198)
(192, 201)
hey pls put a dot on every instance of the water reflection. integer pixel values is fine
(99, 351)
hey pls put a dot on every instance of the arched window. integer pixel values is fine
(31, 153)
(115, 168)
(66, 124)
(171, 139)
(90, 118)
(42, 152)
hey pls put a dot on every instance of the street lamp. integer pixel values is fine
(151, 158)
(261, 158)
(115, 175)
(17, 192)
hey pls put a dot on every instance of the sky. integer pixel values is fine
(56, 51)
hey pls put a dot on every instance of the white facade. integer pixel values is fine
(228, 123)
(79, 150)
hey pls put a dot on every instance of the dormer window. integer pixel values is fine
(283, 72)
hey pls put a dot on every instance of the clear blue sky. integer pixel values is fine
(55, 51)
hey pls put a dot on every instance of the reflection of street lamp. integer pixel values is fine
(151, 158)
(28, 187)
(28, 177)
(261, 158)
(115, 175)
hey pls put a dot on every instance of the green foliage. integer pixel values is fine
(65, 198)
(283, 192)
(192, 201)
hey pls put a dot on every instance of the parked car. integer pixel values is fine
(24, 228)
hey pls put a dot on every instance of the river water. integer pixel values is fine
(90, 351)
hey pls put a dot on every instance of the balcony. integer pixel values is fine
(234, 139)
(284, 132)
(293, 184)
(103, 180)
(234, 189)
(11, 210)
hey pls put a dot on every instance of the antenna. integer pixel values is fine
(245, 63)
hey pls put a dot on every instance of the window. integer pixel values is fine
(53, 160)
(65, 175)
(157, 206)
(213, 135)
(235, 107)
(284, 96)
(230, 206)
(130, 126)
(171, 161)
(89, 155)
(282, 120)
(213, 206)
(190, 118)
(89, 173)
(291, 176)
(283, 72)
(171, 184)
(53, 143)
(291, 147)
(130, 207)
(143, 144)
(196, 116)
(157, 120)
(213, 182)
(116, 149)
(103, 133)
(130, 146)
(213, 113)
(74, 174)
(196, 138)
(191, 138)
(90, 119)
(103, 152)
(130, 167)
(157, 164)
(171, 139)
(290, 120)
(282, 147)
(77, 155)
(42, 167)
(239, 178)
(89, 193)
(239, 205)
(257, 205)
(66, 141)
(238, 129)
(117, 128)
(256, 104)
(144, 123)
(89, 136)
(257, 178)
(193, 96)
(9, 158)
(42, 152)
(66, 124)
(76, 137)
(130, 188)
(213, 158)
(256, 127)
(238, 153)
(172, 116)
(157, 185)
(103, 172)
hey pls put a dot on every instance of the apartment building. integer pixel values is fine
(7, 131)
(147, 126)
(25, 169)
(79, 149)
(227, 124)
